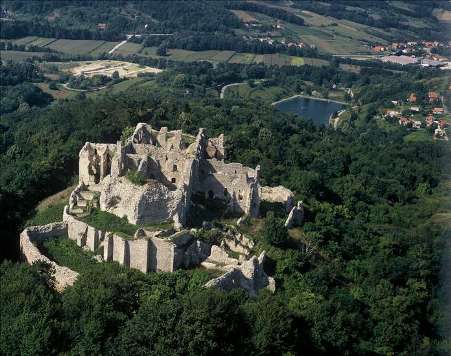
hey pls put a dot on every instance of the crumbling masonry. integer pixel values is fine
(174, 168)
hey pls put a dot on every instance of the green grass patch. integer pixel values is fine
(136, 177)
(243, 58)
(418, 136)
(52, 213)
(65, 252)
(105, 221)
(297, 61)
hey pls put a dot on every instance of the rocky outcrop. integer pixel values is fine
(29, 237)
(278, 194)
(296, 216)
(250, 276)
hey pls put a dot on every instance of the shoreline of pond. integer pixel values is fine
(308, 97)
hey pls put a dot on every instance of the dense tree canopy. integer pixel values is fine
(359, 278)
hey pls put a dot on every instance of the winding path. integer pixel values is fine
(224, 88)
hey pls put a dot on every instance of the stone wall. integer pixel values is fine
(148, 253)
(141, 204)
(278, 194)
(249, 276)
(95, 160)
(231, 182)
(64, 276)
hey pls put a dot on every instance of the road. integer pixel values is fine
(224, 88)
(117, 46)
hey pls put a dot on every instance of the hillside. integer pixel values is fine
(345, 27)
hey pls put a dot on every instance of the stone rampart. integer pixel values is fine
(64, 276)
(148, 253)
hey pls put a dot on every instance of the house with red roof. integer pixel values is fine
(405, 121)
(413, 98)
(429, 121)
(433, 96)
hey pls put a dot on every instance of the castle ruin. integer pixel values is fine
(175, 166)
(159, 177)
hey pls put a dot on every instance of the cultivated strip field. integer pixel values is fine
(75, 46)
(96, 48)
(19, 55)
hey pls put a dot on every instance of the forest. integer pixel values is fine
(364, 282)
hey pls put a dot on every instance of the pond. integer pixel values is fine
(317, 110)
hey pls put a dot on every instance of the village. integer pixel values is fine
(423, 53)
(418, 112)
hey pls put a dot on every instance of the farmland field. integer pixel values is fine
(75, 46)
(222, 56)
(25, 40)
(104, 48)
(129, 48)
(243, 58)
(96, 48)
(19, 55)
(316, 62)
(42, 41)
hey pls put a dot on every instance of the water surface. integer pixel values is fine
(319, 111)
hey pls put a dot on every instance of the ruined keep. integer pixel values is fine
(175, 166)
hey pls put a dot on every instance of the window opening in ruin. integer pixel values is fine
(173, 180)
(174, 168)
(107, 165)
(210, 195)
(166, 158)
(240, 197)
(226, 192)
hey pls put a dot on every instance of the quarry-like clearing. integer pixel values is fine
(108, 67)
